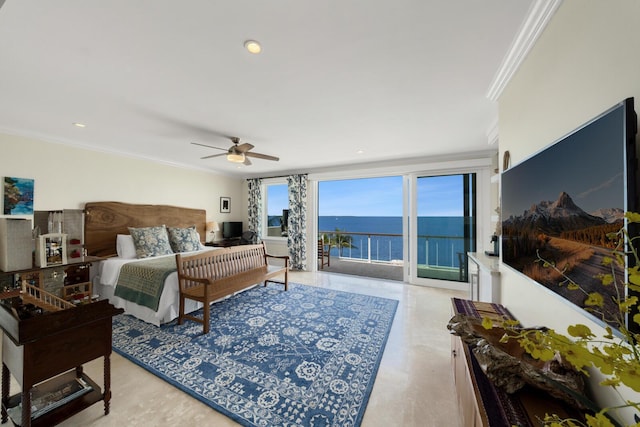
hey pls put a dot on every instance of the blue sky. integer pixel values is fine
(437, 196)
(361, 197)
(278, 198)
(440, 196)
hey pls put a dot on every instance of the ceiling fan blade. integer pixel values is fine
(261, 156)
(243, 148)
(246, 162)
(208, 146)
(213, 155)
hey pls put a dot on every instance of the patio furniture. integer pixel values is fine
(322, 254)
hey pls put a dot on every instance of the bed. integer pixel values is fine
(107, 234)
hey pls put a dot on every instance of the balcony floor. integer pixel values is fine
(386, 271)
(377, 270)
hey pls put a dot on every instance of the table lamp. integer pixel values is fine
(212, 228)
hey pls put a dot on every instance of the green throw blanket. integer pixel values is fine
(142, 282)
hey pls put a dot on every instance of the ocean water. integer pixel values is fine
(439, 238)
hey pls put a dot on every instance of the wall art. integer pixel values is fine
(225, 204)
(18, 196)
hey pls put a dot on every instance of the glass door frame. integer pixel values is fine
(483, 222)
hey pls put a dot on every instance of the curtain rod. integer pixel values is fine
(278, 176)
(269, 177)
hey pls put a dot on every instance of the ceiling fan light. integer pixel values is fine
(236, 157)
(252, 46)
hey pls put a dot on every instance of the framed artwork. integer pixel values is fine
(18, 196)
(225, 204)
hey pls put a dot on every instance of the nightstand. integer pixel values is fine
(224, 243)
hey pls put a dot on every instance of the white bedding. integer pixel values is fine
(107, 278)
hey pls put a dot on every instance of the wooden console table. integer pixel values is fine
(481, 403)
(53, 278)
(227, 243)
(48, 350)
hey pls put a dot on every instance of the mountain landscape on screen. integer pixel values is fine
(555, 217)
(575, 241)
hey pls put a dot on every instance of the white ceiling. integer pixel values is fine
(396, 79)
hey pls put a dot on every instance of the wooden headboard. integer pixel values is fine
(105, 220)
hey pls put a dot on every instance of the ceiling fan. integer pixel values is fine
(238, 153)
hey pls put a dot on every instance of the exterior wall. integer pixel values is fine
(585, 62)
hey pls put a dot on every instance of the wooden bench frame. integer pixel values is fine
(211, 275)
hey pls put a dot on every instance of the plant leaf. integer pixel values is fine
(580, 331)
(487, 323)
(594, 299)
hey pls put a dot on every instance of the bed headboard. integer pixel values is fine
(105, 220)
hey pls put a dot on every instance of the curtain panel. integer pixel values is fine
(255, 207)
(297, 226)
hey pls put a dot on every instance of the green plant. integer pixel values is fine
(617, 357)
(340, 240)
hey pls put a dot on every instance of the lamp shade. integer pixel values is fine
(212, 227)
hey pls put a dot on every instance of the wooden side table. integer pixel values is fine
(38, 349)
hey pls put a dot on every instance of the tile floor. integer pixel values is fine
(414, 385)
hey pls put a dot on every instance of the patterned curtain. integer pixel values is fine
(297, 227)
(255, 207)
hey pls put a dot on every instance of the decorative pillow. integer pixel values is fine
(125, 246)
(184, 239)
(151, 241)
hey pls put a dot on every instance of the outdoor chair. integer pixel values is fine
(322, 254)
(248, 238)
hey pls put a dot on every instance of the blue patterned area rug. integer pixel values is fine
(305, 357)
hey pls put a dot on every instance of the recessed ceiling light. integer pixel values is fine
(253, 46)
(79, 125)
(360, 152)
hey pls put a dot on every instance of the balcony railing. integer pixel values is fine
(438, 251)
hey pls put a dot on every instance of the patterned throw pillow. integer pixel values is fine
(184, 239)
(151, 241)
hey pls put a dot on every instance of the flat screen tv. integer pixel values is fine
(231, 229)
(561, 202)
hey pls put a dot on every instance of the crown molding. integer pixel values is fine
(536, 21)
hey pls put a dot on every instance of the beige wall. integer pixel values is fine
(67, 178)
(587, 60)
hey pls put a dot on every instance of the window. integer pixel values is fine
(277, 209)
(362, 218)
(446, 226)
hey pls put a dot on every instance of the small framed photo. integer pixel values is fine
(225, 204)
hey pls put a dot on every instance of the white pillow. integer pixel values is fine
(202, 247)
(125, 246)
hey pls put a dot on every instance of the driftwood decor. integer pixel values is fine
(105, 220)
(510, 368)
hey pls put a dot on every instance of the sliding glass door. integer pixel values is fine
(445, 226)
